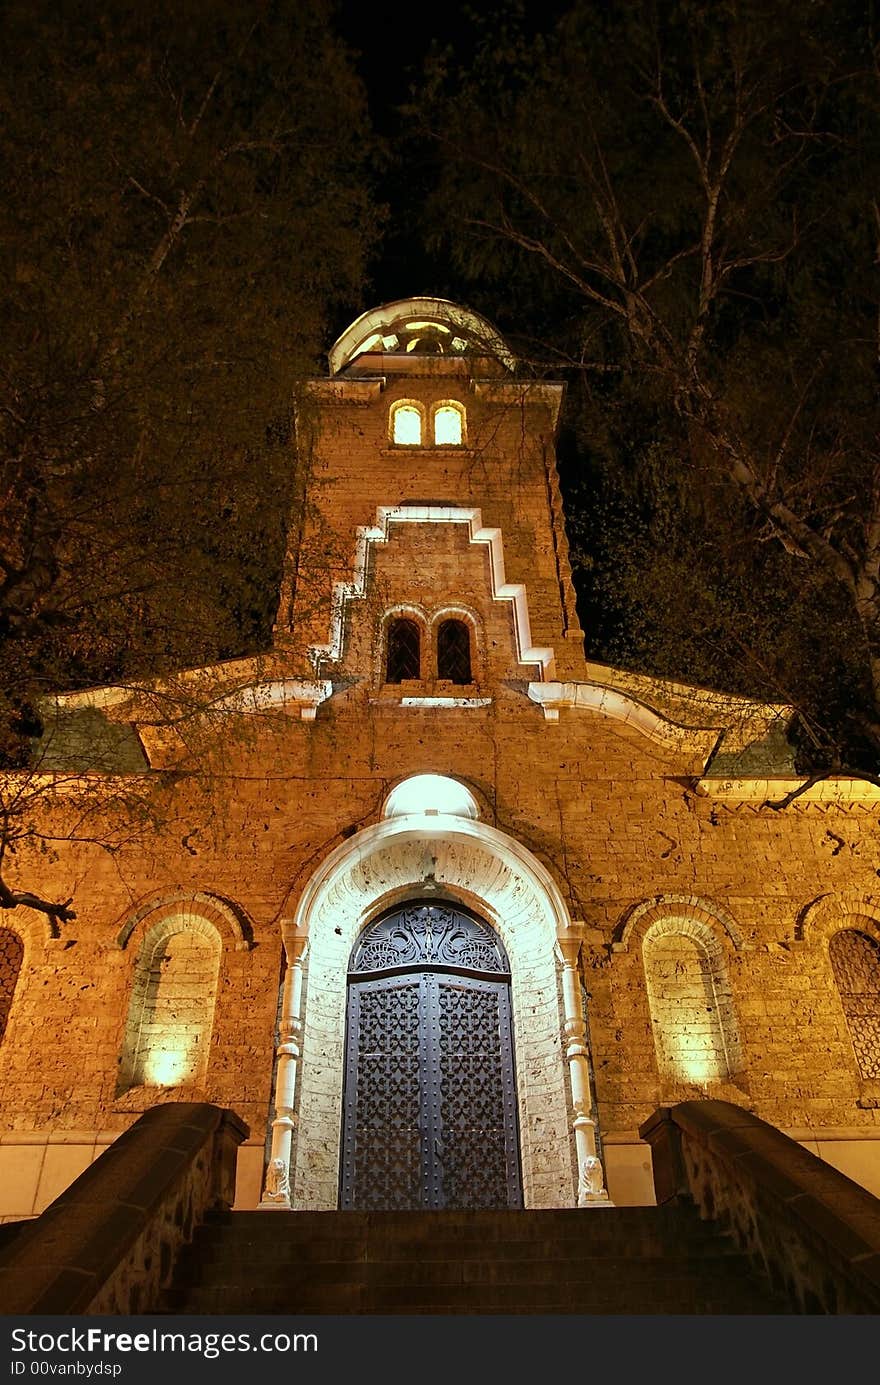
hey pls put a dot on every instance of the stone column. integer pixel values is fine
(276, 1193)
(591, 1177)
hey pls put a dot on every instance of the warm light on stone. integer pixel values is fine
(672, 933)
(168, 1067)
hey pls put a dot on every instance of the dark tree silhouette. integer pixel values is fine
(678, 202)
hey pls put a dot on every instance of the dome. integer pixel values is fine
(420, 326)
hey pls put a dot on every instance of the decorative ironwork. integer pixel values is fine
(404, 651)
(430, 1093)
(855, 961)
(477, 1098)
(11, 958)
(381, 1146)
(454, 651)
(429, 935)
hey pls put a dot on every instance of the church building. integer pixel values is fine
(440, 907)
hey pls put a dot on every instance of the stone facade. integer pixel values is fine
(622, 825)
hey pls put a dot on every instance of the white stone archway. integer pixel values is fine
(446, 856)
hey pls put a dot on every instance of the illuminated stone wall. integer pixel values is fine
(631, 832)
(691, 1006)
(171, 1011)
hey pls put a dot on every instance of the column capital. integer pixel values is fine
(295, 939)
(568, 945)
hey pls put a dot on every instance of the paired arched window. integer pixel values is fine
(11, 957)
(448, 425)
(403, 651)
(692, 1016)
(855, 962)
(171, 1013)
(454, 651)
(406, 424)
(411, 426)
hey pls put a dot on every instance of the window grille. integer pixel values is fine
(11, 956)
(454, 651)
(404, 651)
(855, 961)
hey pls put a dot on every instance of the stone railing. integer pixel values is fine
(108, 1244)
(814, 1231)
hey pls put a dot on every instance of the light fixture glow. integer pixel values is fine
(169, 1067)
(431, 794)
(447, 426)
(407, 425)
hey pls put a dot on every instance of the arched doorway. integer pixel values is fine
(429, 1109)
(437, 850)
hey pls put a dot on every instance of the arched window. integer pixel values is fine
(404, 659)
(691, 1006)
(172, 1007)
(11, 955)
(430, 793)
(449, 425)
(454, 651)
(406, 424)
(855, 961)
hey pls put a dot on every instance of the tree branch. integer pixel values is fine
(58, 913)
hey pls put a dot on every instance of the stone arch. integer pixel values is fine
(855, 964)
(444, 857)
(422, 793)
(170, 1015)
(402, 414)
(452, 611)
(229, 919)
(828, 913)
(847, 928)
(640, 917)
(439, 411)
(401, 610)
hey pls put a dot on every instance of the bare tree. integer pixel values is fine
(186, 200)
(686, 195)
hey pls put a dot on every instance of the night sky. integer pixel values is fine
(718, 444)
(391, 40)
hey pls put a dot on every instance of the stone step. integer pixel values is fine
(675, 1294)
(631, 1260)
(604, 1226)
(481, 1222)
(283, 1255)
(483, 1271)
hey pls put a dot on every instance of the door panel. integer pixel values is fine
(382, 1154)
(430, 1096)
(477, 1110)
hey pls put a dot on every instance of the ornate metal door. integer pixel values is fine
(430, 1093)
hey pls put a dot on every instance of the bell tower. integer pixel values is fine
(429, 558)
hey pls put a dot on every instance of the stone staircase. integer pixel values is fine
(634, 1260)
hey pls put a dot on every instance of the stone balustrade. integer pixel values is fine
(108, 1244)
(814, 1231)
